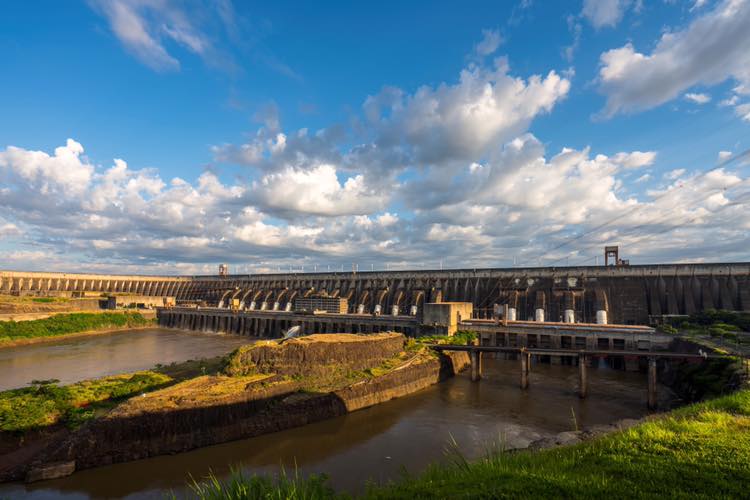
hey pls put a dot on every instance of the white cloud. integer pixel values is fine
(601, 13)
(316, 191)
(635, 159)
(730, 101)
(491, 40)
(461, 122)
(674, 174)
(743, 111)
(64, 172)
(516, 203)
(643, 178)
(698, 98)
(698, 4)
(723, 155)
(712, 49)
(144, 27)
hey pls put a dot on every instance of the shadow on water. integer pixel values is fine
(379, 442)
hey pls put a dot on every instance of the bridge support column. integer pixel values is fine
(525, 360)
(475, 357)
(582, 376)
(652, 383)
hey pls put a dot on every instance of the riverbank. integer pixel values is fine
(261, 388)
(698, 450)
(71, 325)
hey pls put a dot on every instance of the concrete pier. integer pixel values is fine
(475, 358)
(652, 401)
(582, 376)
(525, 361)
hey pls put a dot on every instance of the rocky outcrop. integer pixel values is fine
(314, 354)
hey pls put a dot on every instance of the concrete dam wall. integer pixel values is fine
(625, 294)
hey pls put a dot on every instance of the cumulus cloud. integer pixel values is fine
(518, 202)
(713, 48)
(460, 122)
(317, 191)
(635, 159)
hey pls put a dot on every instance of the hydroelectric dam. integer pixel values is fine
(627, 295)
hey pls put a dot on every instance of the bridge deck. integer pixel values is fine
(573, 353)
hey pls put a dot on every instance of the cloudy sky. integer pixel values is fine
(168, 136)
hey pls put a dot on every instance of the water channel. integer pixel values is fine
(80, 358)
(380, 442)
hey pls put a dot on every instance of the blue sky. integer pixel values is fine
(391, 134)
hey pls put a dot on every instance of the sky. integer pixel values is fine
(169, 136)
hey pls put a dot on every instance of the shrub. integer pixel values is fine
(669, 329)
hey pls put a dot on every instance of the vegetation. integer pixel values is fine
(723, 324)
(63, 324)
(461, 337)
(240, 486)
(701, 450)
(22, 299)
(45, 403)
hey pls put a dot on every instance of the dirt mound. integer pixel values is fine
(315, 353)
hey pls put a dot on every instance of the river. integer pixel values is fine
(79, 358)
(380, 442)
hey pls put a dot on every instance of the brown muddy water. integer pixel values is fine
(79, 358)
(381, 442)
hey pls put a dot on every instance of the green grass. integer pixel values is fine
(46, 403)
(63, 324)
(282, 487)
(701, 451)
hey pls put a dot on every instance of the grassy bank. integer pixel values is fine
(702, 450)
(45, 403)
(64, 324)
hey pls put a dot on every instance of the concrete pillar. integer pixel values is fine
(582, 376)
(601, 317)
(361, 309)
(413, 311)
(524, 369)
(276, 306)
(288, 306)
(394, 310)
(652, 383)
(378, 308)
(569, 316)
(252, 306)
(539, 315)
(475, 357)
